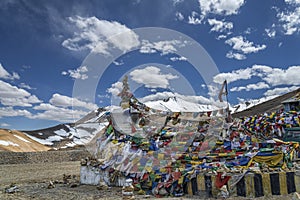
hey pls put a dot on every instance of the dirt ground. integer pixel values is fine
(33, 180)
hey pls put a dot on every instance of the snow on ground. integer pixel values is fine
(42, 141)
(84, 133)
(250, 103)
(62, 132)
(54, 138)
(20, 138)
(7, 143)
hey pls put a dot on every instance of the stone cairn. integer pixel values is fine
(127, 190)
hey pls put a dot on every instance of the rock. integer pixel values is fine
(66, 178)
(102, 186)
(12, 189)
(73, 185)
(83, 162)
(51, 185)
(296, 196)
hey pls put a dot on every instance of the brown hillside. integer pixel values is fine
(268, 106)
(16, 141)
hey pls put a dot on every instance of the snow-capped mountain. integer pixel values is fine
(177, 104)
(72, 134)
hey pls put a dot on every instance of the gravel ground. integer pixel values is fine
(33, 181)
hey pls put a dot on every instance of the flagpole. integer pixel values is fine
(227, 109)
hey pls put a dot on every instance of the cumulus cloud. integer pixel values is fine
(25, 86)
(13, 96)
(280, 91)
(237, 56)
(221, 7)
(61, 114)
(221, 37)
(176, 2)
(271, 32)
(235, 75)
(179, 16)
(7, 76)
(289, 76)
(269, 76)
(290, 19)
(62, 108)
(115, 88)
(241, 44)
(152, 77)
(272, 76)
(256, 86)
(181, 58)
(11, 112)
(118, 63)
(220, 26)
(99, 35)
(4, 125)
(65, 101)
(165, 47)
(79, 73)
(195, 18)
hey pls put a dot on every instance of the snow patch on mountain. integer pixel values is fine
(7, 143)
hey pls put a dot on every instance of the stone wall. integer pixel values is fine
(42, 157)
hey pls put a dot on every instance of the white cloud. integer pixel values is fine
(62, 108)
(256, 86)
(241, 74)
(220, 26)
(175, 2)
(221, 37)
(271, 32)
(221, 7)
(165, 47)
(10, 112)
(290, 17)
(195, 18)
(289, 76)
(79, 73)
(295, 2)
(237, 56)
(152, 77)
(181, 58)
(115, 88)
(5, 75)
(248, 31)
(118, 63)
(290, 20)
(13, 96)
(25, 86)
(99, 35)
(269, 76)
(65, 101)
(241, 44)
(4, 125)
(280, 91)
(179, 16)
(51, 112)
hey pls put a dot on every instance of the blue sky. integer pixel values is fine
(61, 59)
